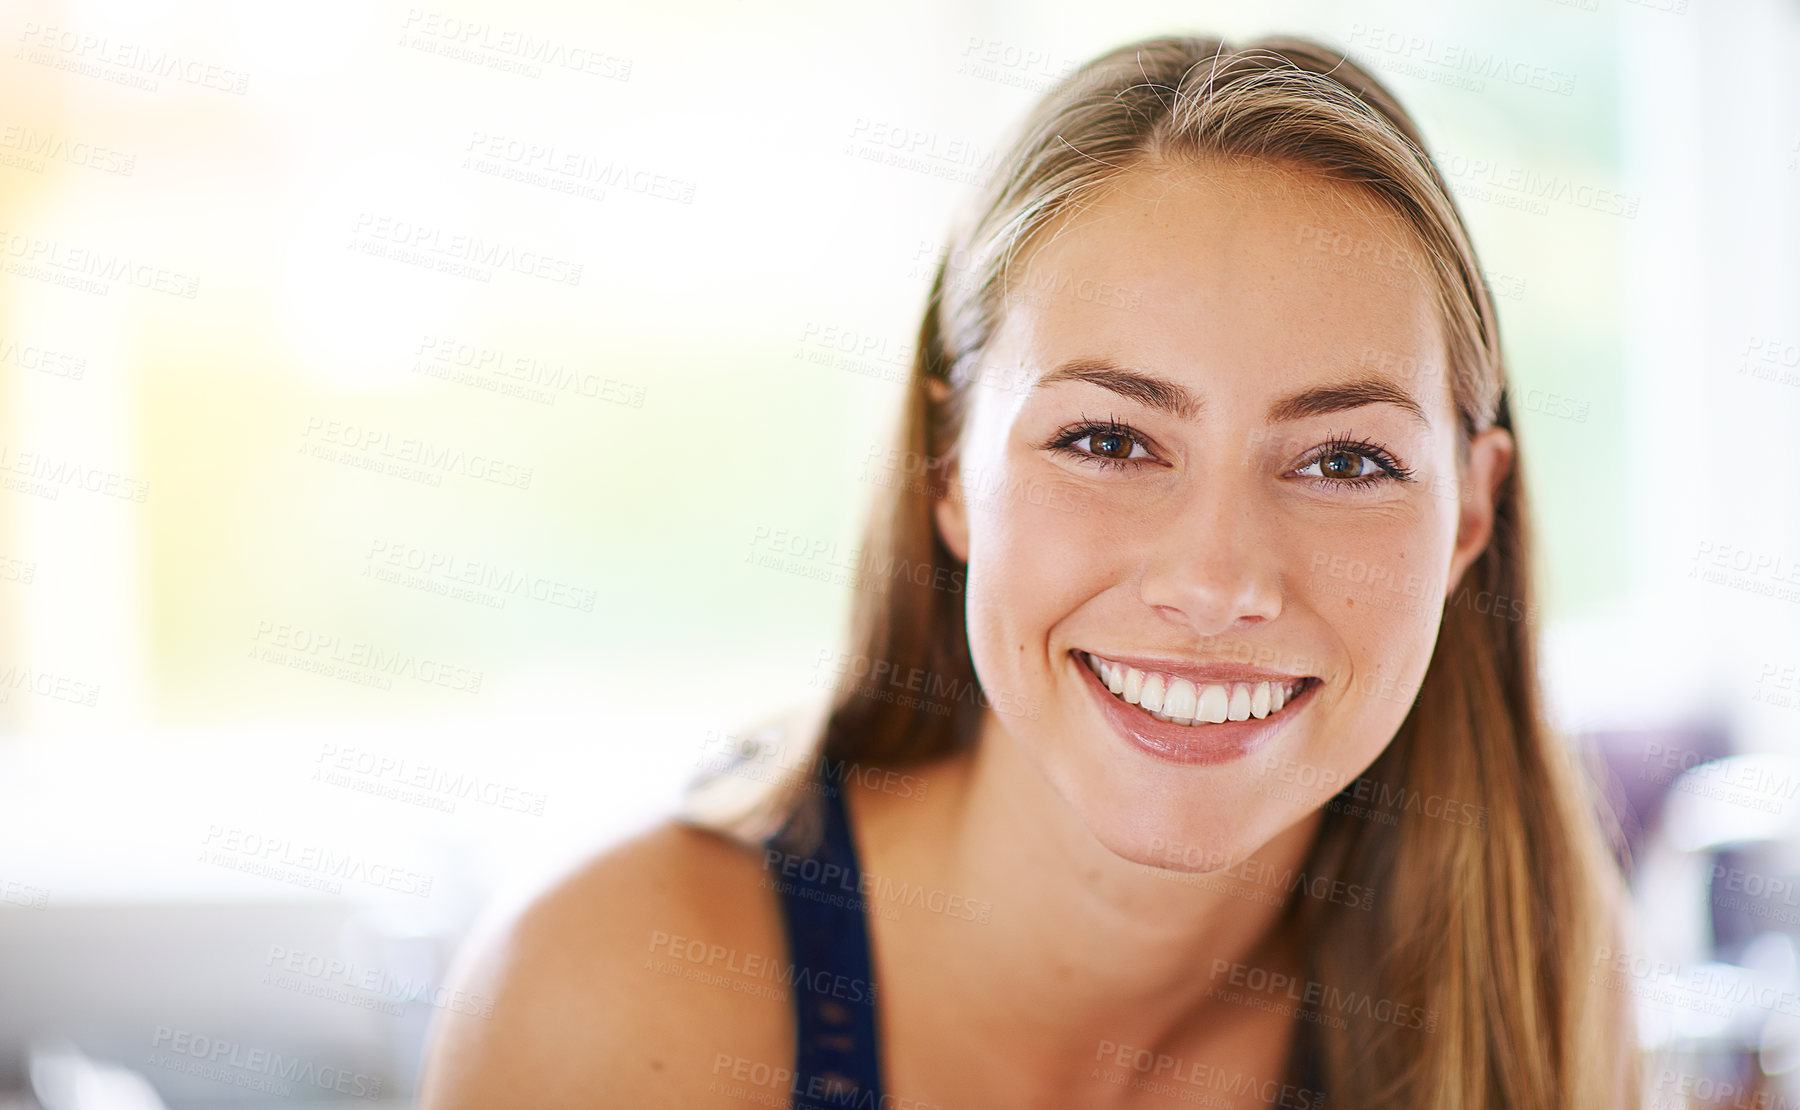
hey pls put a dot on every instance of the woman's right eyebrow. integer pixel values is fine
(1158, 393)
(1176, 400)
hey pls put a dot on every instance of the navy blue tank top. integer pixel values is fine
(837, 1061)
(836, 1041)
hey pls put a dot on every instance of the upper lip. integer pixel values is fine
(1199, 674)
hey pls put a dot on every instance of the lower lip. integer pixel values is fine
(1202, 745)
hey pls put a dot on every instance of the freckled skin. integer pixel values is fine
(1222, 548)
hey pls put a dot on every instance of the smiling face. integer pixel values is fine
(1213, 444)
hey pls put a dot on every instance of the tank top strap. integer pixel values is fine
(837, 1060)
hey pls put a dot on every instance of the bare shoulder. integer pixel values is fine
(647, 977)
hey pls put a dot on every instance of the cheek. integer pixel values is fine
(1037, 551)
(1379, 587)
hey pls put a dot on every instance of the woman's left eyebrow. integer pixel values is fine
(1175, 399)
(1338, 396)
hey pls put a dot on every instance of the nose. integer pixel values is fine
(1213, 562)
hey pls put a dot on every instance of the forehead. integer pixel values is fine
(1245, 277)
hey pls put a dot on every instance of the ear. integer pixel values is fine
(1490, 460)
(950, 510)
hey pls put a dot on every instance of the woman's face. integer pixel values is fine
(1213, 438)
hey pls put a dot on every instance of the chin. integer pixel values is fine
(1173, 826)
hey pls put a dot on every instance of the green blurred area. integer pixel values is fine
(655, 509)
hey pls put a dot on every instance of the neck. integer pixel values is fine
(1083, 948)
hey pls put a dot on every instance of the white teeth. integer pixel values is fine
(1181, 701)
(1240, 703)
(1151, 697)
(1212, 705)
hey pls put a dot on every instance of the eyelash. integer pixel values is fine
(1066, 438)
(1391, 469)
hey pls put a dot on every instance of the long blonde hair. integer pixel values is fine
(1491, 926)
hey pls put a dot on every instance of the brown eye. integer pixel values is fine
(1112, 445)
(1107, 445)
(1343, 466)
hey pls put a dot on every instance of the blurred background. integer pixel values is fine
(426, 432)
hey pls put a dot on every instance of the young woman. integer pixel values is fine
(1189, 746)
